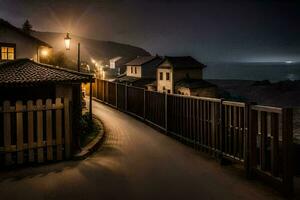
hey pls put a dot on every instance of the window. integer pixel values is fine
(161, 76)
(131, 69)
(167, 76)
(7, 51)
(135, 70)
(169, 91)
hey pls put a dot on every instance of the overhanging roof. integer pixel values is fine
(24, 71)
(184, 62)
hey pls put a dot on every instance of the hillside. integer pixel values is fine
(90, 48)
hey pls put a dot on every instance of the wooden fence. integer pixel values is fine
(258, 137)
(35, 132)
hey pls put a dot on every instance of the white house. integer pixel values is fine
(141, 71)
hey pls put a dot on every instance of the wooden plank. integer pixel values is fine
(166, 112)
(259, 136)
(204, 124)
(201, 124)
(221, 118)
(188, 119)
(198, 123)
(176, 108)
(225, 128)
(230, 125)
(194, 126)
(274, 129)
(30, 131)
(267, 109)
(263, 141)
(20, 138)
(241, 133)
(287, 144)
(40, 150)
(49, 129)
(7, 132)
(180, 115)
(208, 124)
(213, 125)
(235, 132)
(67, 128)
(58, 124)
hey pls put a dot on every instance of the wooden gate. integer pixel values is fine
(35, 132)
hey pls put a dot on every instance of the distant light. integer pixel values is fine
(44, 52)
(93, 61)
(288, 62)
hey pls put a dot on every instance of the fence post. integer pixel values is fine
(253, 128)
(247, 138)
(20, 136)
(49, 129)
(116, 84)
(126, 97)
(7, 132)
(221, 129)
(166, 112)
(30, 129)
(39, 124)
(144, 104)
(287, 144)
(67, 114)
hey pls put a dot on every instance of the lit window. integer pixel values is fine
(167, 76)
(7, 53)
(161, 76)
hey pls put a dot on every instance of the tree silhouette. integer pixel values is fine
(27, 27)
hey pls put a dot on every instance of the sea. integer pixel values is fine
(273, 72)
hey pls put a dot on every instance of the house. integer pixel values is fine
(117, 66)
(184, 75)
(140, 71)
(24, 79)
(14, 44)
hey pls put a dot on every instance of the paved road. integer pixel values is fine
(135, 162)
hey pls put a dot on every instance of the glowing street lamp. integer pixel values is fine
(68, 44)
(68, 41)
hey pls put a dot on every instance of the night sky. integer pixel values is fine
(229, 30)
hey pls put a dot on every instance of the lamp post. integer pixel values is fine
(77, 109)
(68, 44)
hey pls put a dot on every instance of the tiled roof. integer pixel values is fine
(25, 71)
(10, 26)
(184, 62)
(141, 60)
(137, 82)
(193, 83)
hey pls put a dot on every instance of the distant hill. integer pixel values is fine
(90, 48)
